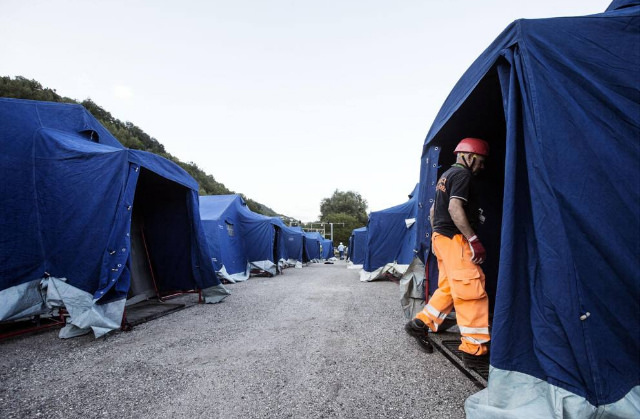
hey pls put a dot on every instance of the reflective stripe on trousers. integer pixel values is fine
(460, 284)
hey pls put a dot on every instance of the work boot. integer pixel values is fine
(420, 331)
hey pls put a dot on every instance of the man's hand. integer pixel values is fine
(478, 254)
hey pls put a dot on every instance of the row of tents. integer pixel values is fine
(242, 242)
(93, 227)
(559, 102)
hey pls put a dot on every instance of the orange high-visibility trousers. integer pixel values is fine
(460, 285)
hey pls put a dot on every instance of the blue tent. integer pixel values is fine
(221, 223)
(358, 245)
(327, 249)
(289, 244)
(260, 242)
(391, 237)
(559, 102)
(305, 256)
(255, 250)
(312, 243)
(87, 223)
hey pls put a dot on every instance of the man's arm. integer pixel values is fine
(459, 217)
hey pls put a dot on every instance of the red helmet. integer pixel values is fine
(473, 145)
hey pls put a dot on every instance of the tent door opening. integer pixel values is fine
(482, 116)
(160, 249)
(161, 242)
(277, 236)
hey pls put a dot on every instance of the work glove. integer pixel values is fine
(478, 254)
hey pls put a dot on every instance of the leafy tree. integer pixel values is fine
(23, 88)
(347, 211)
(343, 225)
(348, 202)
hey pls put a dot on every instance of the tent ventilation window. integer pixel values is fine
(230, 229)
(89, 134)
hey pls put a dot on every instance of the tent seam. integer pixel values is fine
(35, 189)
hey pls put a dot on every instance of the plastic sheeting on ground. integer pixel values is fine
(412, 289)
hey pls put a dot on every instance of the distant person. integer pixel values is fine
(459, 252)
(341, 250)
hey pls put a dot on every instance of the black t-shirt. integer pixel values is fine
(457, 183)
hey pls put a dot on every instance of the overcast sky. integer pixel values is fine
(284, 101)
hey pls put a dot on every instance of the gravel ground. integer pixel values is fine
(314, 343)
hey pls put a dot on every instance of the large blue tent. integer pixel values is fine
(242, 240)
(327, 249)
(358, 246)
(221, 222)
(289, 244)
(87, 223)
(559, 102)
(312, 244)
(391, 238)
(260, 240)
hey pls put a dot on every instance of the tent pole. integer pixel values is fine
(146, 249)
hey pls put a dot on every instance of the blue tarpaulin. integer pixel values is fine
(312, 243)
(71, 198)
(327, 249)
(392, 235)
(358, 245)
(238, 236)
(289, 244)
(221, 223)
(559, 102)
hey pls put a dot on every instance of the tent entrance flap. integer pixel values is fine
(142, 281)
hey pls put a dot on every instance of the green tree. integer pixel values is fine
(347, 211)
(348, 202)
(343, 225)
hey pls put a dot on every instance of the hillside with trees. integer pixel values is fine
(129, 135)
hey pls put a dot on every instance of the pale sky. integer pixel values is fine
(282, 100)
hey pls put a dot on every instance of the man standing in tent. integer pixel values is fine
(341, 250)
(454, 216)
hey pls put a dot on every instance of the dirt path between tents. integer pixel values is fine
(314, 342)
